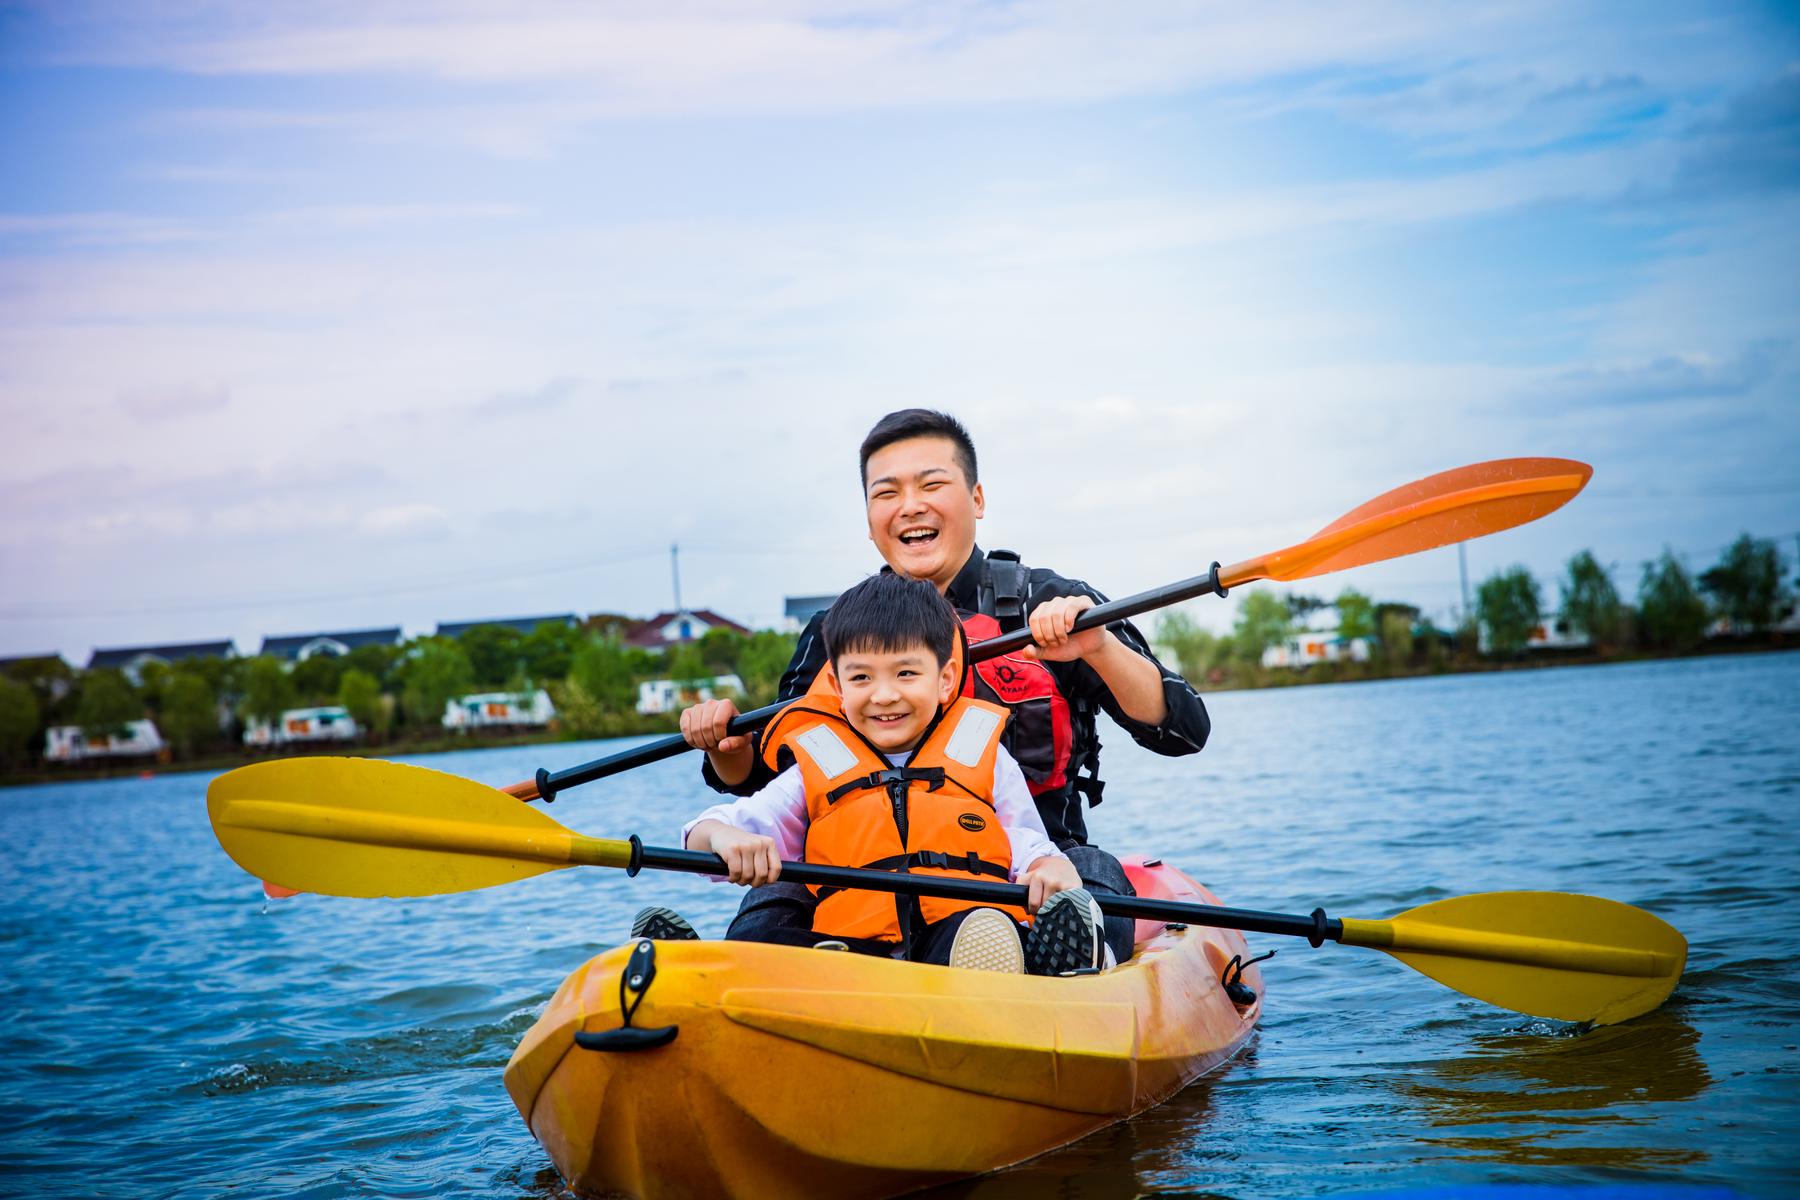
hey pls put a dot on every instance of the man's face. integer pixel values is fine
(922, 511)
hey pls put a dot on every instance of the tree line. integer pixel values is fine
(395, 692)
(1672, 613)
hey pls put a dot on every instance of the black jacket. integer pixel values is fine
(1183, 729)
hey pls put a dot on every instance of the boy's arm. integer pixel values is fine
(740, 771)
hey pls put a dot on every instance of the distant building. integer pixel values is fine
(673, 628)
(455, 629)
(67, 743)
(801, 609)
(48, 669)
(1555, 635)
(302, 726)
(669, 695)
(1310, 646)
(298, 647)
(499, 710)
(132, 659)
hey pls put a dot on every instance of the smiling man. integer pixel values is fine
(923, 495)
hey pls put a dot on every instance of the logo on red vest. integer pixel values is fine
(972, 822)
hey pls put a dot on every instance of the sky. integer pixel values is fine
(336, 315)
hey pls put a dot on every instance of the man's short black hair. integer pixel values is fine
(888, 613)
(920, 422)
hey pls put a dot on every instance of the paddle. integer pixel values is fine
(363, 827)
(1453, 506)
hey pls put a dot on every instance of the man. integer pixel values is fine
(923, 497)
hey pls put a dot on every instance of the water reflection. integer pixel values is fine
(1529, 1099)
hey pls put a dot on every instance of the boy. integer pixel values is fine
(884, 763)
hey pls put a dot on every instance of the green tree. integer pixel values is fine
(267, 691)
(1301, 606)
(721, 650)
(548, 650)
(1262, 620)
(1191, 647)
(1510, 604)
(1746, 584)
(19, 714)
(376, 659)
(1396, 637)
(761, 663)
(52, 682)
(1590, 603)
(1671, 613)
(360, 694)
(437, 672)
(686, 662)
(602, 670)
(316, 678)
(1356, 614)
(496, 653)
(107, 705)
(190, 712)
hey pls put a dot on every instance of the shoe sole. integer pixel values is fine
(987, 940)
(662, 925)
(1059, 945)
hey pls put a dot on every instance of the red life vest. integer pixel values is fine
(934, 816)
(1041, 736)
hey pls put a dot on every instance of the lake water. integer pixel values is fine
(167, 1033)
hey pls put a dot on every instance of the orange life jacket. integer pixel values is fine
(934, 816)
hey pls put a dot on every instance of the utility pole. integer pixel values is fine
(675, 570)
(1462, 560)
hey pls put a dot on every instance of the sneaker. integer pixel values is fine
(1067, 936)
(987, 940)
(662, 925)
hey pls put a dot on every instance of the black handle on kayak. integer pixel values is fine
(1315, 927)
(549, 783)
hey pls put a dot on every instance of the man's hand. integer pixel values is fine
(1051, 622)
(703, 726)
(750, 858)
(1047, 876)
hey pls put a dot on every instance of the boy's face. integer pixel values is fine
(891, 696)
(922, 511)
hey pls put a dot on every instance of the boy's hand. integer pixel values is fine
(1047, 876)
(750, 858)
(1050, 624)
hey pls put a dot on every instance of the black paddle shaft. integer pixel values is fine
(549, 783)
(1315, 927)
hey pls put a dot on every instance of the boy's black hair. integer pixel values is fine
(888, 613)
(920, 422)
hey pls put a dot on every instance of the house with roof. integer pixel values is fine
(133, 659)
(682, 625)
(526, 625)
(300, 726)
(798, 610)
(298, 647)
(71, 743)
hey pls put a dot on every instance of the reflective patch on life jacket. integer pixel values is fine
(827, 751)
(968, 741)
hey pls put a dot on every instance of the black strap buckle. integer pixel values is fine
(639, 972)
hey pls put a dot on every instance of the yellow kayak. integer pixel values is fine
(748, 1070)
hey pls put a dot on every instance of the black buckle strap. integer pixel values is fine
(932, 777)
(634, 980)
(940, 860)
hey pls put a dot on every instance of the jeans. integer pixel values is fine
(782, 911)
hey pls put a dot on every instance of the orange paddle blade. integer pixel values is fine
(1453, 506)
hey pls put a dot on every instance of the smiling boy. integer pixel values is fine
(884, 764)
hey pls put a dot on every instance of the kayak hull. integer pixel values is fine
(804, 1072)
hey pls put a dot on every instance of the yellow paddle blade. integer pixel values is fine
(1550, 954)
(363, 827)
(1452, 506)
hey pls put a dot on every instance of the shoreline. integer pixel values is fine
(1339, 673)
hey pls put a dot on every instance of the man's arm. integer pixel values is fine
(1116, 669)
(722, 773)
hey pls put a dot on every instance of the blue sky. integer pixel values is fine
(331, 315)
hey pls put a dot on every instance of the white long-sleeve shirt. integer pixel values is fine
(779, 811)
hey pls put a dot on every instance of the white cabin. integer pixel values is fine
(1550, 635)
(1310, 646)
(300, 726)
(499, 710)
(671, 695)
(67, 743)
